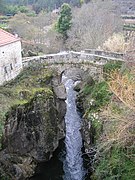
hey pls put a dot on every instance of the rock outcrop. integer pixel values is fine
(32, 133)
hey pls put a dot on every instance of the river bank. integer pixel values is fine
(108, 108)
(33, 109)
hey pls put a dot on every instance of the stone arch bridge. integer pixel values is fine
(88, 60)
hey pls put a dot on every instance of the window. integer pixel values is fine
(15, 60)
(11, 66)
(5, 70)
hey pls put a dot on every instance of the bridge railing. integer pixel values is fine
(105, 53)
(71, 57)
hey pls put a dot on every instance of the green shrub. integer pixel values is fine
(100, 93)
(14, 9)
(111, 66)
(115, 165)
(97, 96)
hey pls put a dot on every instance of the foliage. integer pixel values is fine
(123, 86)
(4, 177)
(15, 9)
(109, 106)
(3, 26)
(110, 67)
(97, 96)
(96, 127)
(2, 6)
(93, 24)
(64, 21)
(84, 30)
(129, 27)
(36, 31)
(40, 5)
(115, 128)
(21, 24)
(100, 94)
(115, 43)
(116, 164)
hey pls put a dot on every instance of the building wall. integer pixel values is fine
(10, 61)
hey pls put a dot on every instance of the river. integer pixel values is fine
(73, 163)
(67, 162)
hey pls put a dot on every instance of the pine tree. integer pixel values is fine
(64, 21)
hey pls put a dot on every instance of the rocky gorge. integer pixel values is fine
(35, 122)
(32, 127)
(108, 123)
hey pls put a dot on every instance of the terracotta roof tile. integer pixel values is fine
(7, 38)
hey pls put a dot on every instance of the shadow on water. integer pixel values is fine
(52, 169)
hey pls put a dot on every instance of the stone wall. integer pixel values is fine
(10, 61)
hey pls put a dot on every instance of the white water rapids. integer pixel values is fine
(73, 162)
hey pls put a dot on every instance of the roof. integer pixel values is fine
(7, 38)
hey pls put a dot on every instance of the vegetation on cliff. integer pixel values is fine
(110, 107)
(21, 90)
(32, 116)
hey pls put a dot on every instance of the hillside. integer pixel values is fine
(126, 6)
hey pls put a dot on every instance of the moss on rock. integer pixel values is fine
(33, 118)
(21, 90)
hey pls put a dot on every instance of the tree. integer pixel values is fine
(64, 21)
(115, 43)
(1, 6)
(39, 5)
(93, 24)
(37, 32)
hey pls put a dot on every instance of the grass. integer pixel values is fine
(122, 84)
(116, 142)
(111, 66)
(115, 165)
(96, 97)
(100, 94)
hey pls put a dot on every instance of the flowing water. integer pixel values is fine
(73, 163)
(67, 163)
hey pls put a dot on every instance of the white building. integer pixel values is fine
(10, 56)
